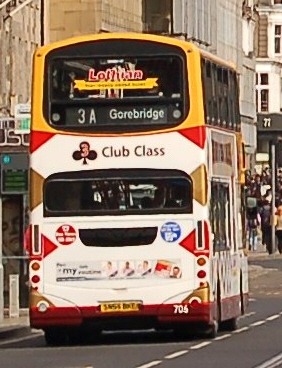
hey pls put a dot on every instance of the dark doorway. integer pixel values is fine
(15, 261)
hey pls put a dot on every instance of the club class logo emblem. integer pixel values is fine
(84, 153)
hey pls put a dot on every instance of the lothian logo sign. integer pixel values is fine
(113, 74)
(115, 78)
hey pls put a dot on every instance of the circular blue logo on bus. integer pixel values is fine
(170, 232)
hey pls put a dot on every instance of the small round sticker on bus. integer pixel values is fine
(65, 235)
(170, 232)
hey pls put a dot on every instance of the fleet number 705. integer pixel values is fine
(180, 309)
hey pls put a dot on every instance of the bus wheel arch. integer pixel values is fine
(230, 324)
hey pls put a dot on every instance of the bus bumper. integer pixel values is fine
(156, 315)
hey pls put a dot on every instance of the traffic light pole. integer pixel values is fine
(273, 182)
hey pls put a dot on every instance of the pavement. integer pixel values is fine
(14, 326)
(18, 326)
(261, 253)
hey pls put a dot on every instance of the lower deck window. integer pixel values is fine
(120, 192)
(220, 215)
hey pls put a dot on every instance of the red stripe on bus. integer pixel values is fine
(48, 246)
(37, 139)
(197, 135)
(189, 243)
(75, 316)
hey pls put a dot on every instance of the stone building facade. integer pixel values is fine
(20, 23)
(19, 35)
(269, 77)
(67, 18)
(249, 19)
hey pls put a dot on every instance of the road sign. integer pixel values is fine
(14, 173)
(6, 158)
(22, 111)
(22, 117)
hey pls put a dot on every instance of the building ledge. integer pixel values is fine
(269, 60)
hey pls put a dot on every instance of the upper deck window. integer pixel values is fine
(221, 95)
(129, 89)
(118, 192)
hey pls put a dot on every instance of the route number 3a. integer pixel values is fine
(86, 117)
(180, 309)
(266, 122)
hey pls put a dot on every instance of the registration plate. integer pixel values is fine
(120, 307)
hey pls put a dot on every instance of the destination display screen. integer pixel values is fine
(85, 93)
(100, 115)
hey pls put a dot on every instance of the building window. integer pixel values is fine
(262, 92)
(277, 39)
(264, 79)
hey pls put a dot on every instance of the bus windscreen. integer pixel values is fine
(97, 93)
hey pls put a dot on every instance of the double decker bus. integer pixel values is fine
(136, 167)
